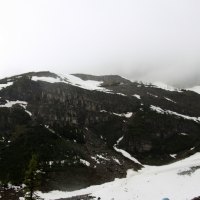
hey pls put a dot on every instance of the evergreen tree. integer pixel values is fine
(32, 178)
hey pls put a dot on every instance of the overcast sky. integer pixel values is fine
(150, 40)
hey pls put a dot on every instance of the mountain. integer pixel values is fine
(88, 129)
(152, 182)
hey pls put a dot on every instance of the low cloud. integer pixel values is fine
(148, 40)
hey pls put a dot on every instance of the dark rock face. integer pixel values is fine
(73, 130)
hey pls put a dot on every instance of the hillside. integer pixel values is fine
(88, 130)
(178, 181)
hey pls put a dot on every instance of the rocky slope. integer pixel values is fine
(90, 129)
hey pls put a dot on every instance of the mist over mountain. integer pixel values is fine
(150, 40)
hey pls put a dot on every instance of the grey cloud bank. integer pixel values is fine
(149, 40)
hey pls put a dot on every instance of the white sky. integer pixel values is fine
(140, 39)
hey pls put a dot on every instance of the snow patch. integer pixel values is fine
(51, 130)
(152, 182)
(121, 94)
(184, 134)
(88, 84)
(103, 111)
(85, 162)
(124, 153)
(9, 104)
(5, 85)
(117, 161)
(47, 79)
(153, 95)
(169, 100)
(23, 104)
(173, 155)
(102, 157)
(195, 89)
(164, 86)
(73, 80)
(169, 112)
(127, 115)
(95, 159)
(99, 157)
(161, 85)
(137, 96)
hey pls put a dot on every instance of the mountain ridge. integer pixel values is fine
(74, 125)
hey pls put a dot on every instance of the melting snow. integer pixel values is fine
(51, 130)
(5, 85)
(85, 162)
(117, 161)
(127, 115)
(47, 79)
(121, 94)
(103, 111)
(153, 95)
(169, 100)
(152, 182)
(102, 157)
(184, 134)
(169, 112)
(137, 96)
(99, 157)
(164, 86)
(96, 159)
(124, 153)
(195, 89)
(173, 155)
(73, 80)
(9, 104)
(89, 84)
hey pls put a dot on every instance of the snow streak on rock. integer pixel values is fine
(73, 80)
(169, 112)
(127, 115)
(5, 85)
(9, 104)
(136, 96)
(85, 162)
(124, 153)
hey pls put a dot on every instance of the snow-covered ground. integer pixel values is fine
(73, 80)
(165, 86)
(162, 85)
(195, 89)
(9, 104)
(124, 153)
(5, 85)
(136, 96)
(168, 99)
(176, 181)
(127, 115)
(169, 112)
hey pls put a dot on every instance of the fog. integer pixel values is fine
(148, 40)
